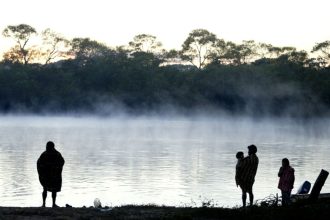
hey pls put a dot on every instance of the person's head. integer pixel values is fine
(252, 149)
(50, 146)
(285, 162)
(239, 155)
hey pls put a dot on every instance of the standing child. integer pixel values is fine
(286, 174)
(240, 157)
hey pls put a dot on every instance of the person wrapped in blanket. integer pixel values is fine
(50, 165)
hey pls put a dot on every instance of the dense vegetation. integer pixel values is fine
(208, 74)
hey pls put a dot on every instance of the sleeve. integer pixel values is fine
(292, 179)
(280, 172)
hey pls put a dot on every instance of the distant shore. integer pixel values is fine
(319, 210)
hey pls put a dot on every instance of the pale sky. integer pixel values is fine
(299, 23)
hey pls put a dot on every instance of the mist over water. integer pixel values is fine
(170, 160)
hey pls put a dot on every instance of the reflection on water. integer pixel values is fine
(171, 161)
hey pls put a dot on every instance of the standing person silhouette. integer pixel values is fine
(249, 166)
(240, 158)
(285, 184)
(50, 165)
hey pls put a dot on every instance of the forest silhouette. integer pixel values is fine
(58, 75)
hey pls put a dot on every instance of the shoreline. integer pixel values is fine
(318, 210)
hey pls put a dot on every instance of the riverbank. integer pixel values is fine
(320, 210)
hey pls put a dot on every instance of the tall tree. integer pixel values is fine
(21, 34)
(198, 47)
(145, 43)
(54, 46)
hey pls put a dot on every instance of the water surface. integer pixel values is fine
(159, 160)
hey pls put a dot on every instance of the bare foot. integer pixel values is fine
(55, 206)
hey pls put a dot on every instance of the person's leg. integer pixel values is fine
(285, 198)
(244, 198)
(289, 197)
(54, 199)
(251, 197)
(44, 196)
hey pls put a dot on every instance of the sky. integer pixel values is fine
(298, 23)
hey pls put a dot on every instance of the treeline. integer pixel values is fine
(207, 74)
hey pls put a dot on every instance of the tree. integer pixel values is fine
(276, 52)
(198, 47)
(145, 43)
(248, 51)
(263, 50)
(54, 45)
(324, 49)
(317, 63)
(232, 54)
(172, 57)
(84, 49)
(218, 53)
(21, 34)
(146, 49)
(237, 54)
(299, 57)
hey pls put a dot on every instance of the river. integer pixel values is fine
(164, 160)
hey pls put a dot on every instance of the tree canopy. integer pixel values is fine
(198, 47)
(84, 75)
(21, 34)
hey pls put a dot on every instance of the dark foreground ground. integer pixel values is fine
(320, 210)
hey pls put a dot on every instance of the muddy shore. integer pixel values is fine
(319, 210)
